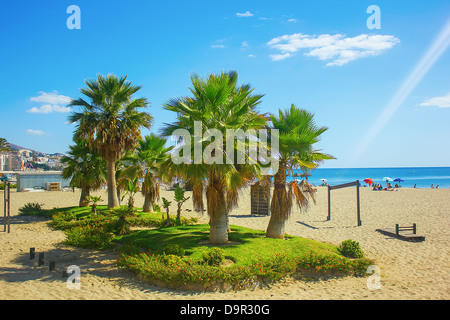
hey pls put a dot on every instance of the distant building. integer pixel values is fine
(32, 180)
(10, 162)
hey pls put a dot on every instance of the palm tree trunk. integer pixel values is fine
(218, 230)
(279, 205)
(218, 233)
(148, 203)
(179, 212)
(276, 228)
(85, 192)
(112, 187)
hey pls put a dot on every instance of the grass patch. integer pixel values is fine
(254, 258)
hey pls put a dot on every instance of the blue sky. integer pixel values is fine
(384, 93)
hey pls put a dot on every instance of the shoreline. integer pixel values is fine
(408, 270)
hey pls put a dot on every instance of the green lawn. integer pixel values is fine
(246, 245)
(142, 251)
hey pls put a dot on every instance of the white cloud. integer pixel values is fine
(51, 98)
(35, 132)
(441, 102)
(53, 102)
(338, 49)
(292, 20)
(48, 108)
(278, 57)
(217, 46)
(244, 44)
(251, 56)
(245, 14)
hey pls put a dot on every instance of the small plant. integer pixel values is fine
(32, 209)
(351, 249)
(174, 249)
(156, 208)
(122, 226)
(214, 256)
(180, 199)
(93, 200)
(166, 205)
(131, 190)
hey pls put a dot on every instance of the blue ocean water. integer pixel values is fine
(422, 177)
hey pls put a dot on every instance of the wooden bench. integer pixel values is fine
(398, 232)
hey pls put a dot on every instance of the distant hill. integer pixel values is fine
(16, 147)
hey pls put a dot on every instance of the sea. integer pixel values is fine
(422, 177)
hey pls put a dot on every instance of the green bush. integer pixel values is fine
(11, 185)
(33, 209)
(175, 271)
(92, 235)
(214, 256)
(174, 249)
(173, 260)
(351, 249)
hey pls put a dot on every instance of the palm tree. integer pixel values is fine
(146, 163)
(179, 199)
(166, 205)
(86, 169)
(93, 200)
(4, 146)
(216, 103)
(297, 136)
(131, 190)
(111, 121)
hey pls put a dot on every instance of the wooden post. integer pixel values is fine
(329, 204)
(396, 229)
(357, 203)
(4, 209)
(414, 228)
(32, 252)
(41, 259)
(9, 207)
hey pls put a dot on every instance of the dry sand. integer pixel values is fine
(408, 270)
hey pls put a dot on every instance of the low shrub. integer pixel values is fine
(92, 235)
(174, 249)
(351, 249)
(173, 260)
(33, 209)
(175, 271)
(213, 256)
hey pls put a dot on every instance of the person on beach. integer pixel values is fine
(432, 186)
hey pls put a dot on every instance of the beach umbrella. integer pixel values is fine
(323, 180)
(306, 175)
(368, 181)
(387, 179)
(398, 180)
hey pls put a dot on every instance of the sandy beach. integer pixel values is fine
(408, 270)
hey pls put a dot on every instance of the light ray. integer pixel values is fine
(438, 47)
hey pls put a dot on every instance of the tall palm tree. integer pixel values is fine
(297, 135)
(85, 168)
(145, 164)
(111, 121)
(4, 146)
(217, 102)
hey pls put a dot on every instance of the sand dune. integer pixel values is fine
(408, 270)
